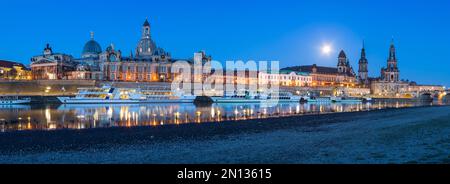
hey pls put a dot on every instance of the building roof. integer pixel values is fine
(10, 64)
(146, 23)
(296, 72)
(309, 69)
(92, 47)
(342, 54)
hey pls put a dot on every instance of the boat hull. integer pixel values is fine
(347, 101)
(14, 102)
(319, 100)
(224, 100)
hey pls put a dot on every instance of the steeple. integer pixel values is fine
(342, 54)
(146, 29)
(363, 71)
(92, 35)
(391, 73)
(146, 23)
(146, 47)
(363, 52)
(392, 51)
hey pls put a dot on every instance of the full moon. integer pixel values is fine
(326, 49)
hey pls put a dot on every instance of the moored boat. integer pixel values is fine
(345, 99)
(319, 100)
(367, 99)
(110, 95)
(245, 97)
(165, 96)
(12, 100)
(285, 97)
(248, 97)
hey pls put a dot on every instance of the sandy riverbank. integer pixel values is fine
(414, 135)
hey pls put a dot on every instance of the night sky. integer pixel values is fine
(289, 31)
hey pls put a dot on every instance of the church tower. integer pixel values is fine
(343, 63)
(146, 47)
(391, 73)
(363, 71)
(146, 29)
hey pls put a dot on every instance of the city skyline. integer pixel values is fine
(297, 42)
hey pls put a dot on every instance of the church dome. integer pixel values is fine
(146, 47)
(91, 47)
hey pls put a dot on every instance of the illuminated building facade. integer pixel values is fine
(342, 75)
(88, 66)
(149, 64)
(51, 66)
(389, 83)
(10, 70)
(286, 78)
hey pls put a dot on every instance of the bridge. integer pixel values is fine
(434, 94)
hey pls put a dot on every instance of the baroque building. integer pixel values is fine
(286, 78)
(389, 83)
(342, 75)
(391, 73)
(51, 66)
(10, 70)
(88, 66)
(149, 64)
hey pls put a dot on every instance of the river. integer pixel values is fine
(55, 117)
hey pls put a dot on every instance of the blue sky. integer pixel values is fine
(289, 31)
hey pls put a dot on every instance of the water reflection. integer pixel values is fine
(50, 117)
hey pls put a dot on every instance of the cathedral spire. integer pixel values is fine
(146, 29)
(146, 23)
(363, 67)
(392, 51)
(363, 50)
(92, 35)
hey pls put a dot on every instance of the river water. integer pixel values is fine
(53, 117)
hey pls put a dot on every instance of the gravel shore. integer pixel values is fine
(410, 135)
